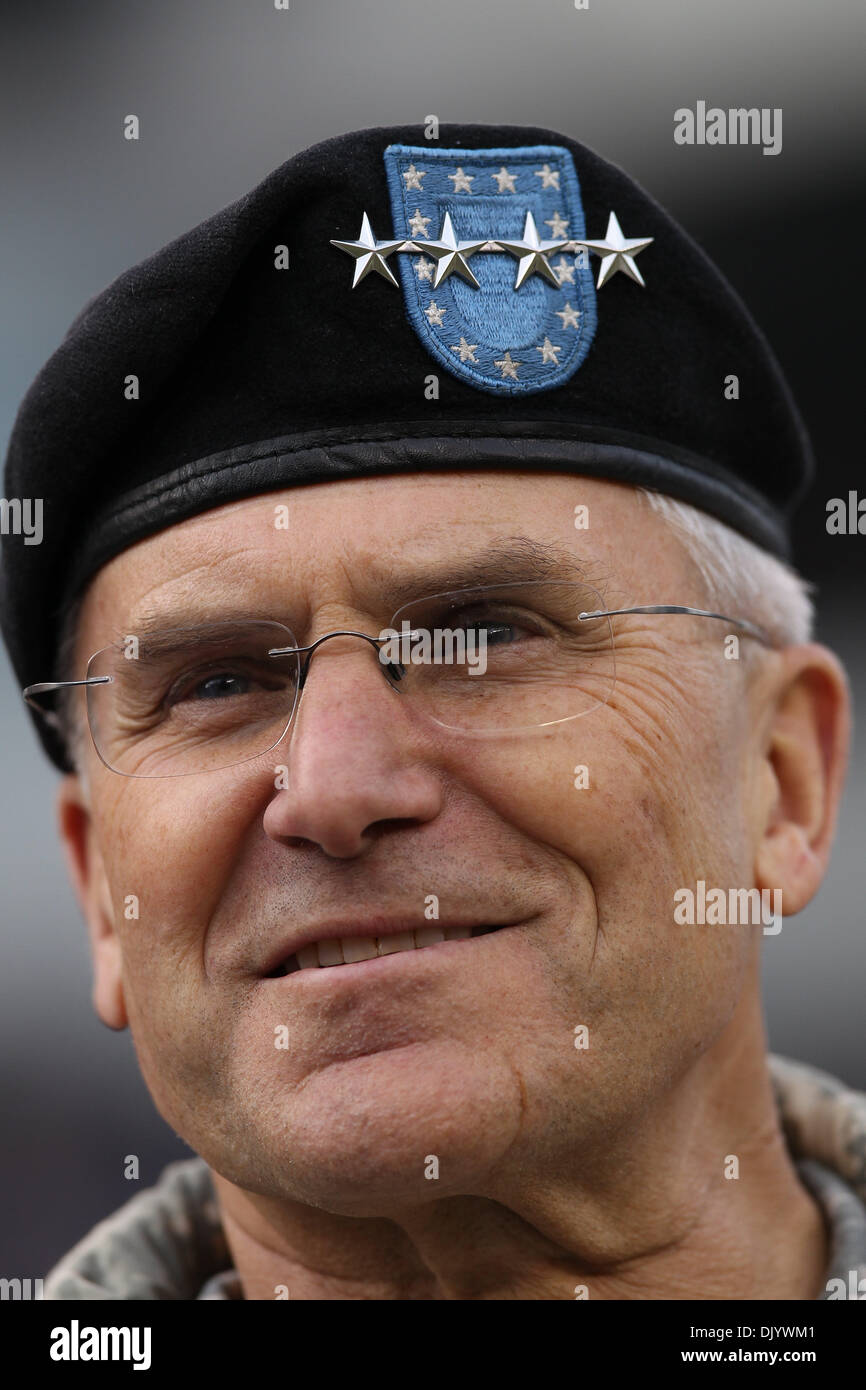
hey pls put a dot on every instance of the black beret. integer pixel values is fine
(570, 322)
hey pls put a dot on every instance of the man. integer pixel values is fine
(442, 734)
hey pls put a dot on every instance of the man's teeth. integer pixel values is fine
(347, 950)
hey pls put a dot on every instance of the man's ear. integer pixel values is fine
(807, 738)
(87, 872)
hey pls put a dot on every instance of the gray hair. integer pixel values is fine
(738, 576)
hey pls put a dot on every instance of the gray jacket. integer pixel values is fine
(168, 1242)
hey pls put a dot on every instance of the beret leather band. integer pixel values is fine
(290, 462)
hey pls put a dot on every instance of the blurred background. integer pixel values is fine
(226, 90)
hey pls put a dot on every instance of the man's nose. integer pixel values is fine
(355, 756)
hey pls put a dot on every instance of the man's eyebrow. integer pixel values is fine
(164, 635)
(507, 560)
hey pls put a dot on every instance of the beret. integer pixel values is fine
(499, 297)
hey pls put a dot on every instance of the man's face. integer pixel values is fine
(464, 1050)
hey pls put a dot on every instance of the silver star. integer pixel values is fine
(424, 268)
(451, 255)
(418, 224)
(564, 272)
(466, 350)
(549, 177)
(369, 253)
(532, 254)
(618, 252)
(548, 352)
(462, 182)
(434, 313)
(413, 178)
(508, 365)
(569, 316)
(505, 180)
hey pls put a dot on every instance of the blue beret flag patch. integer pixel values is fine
(492, 252)
(494, 262)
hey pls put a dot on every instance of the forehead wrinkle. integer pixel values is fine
(176, 579)
(110, 593)
(226, 566)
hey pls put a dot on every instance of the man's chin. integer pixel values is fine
(382, 1133)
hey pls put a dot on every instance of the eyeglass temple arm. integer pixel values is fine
(33, 693)
(751, 628)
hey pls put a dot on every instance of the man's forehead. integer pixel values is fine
(379, 540)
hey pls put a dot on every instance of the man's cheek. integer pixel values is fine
(165, 991)
(165, 882)
(548, 786)
(672, 791)
(182, 1035)
(170, 1000)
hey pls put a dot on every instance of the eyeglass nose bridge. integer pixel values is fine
(394, 667)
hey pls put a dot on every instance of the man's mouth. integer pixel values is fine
(350, 950)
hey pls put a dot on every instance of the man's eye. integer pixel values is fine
(498, 633)
(216, 686)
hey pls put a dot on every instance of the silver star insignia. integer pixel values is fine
(549, 177)
(569, 316)
(564, 272)
(450, 255)
(434, 313)
(418, 224)
(618, 252)
(413, 177)
(507, 365)
(466, 350)
(462, 182)
(369, 253)
(532, 254)
(505, 180)
(424, 268)
(548, 352)
(557, 224)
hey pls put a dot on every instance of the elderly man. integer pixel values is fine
(442, 735)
